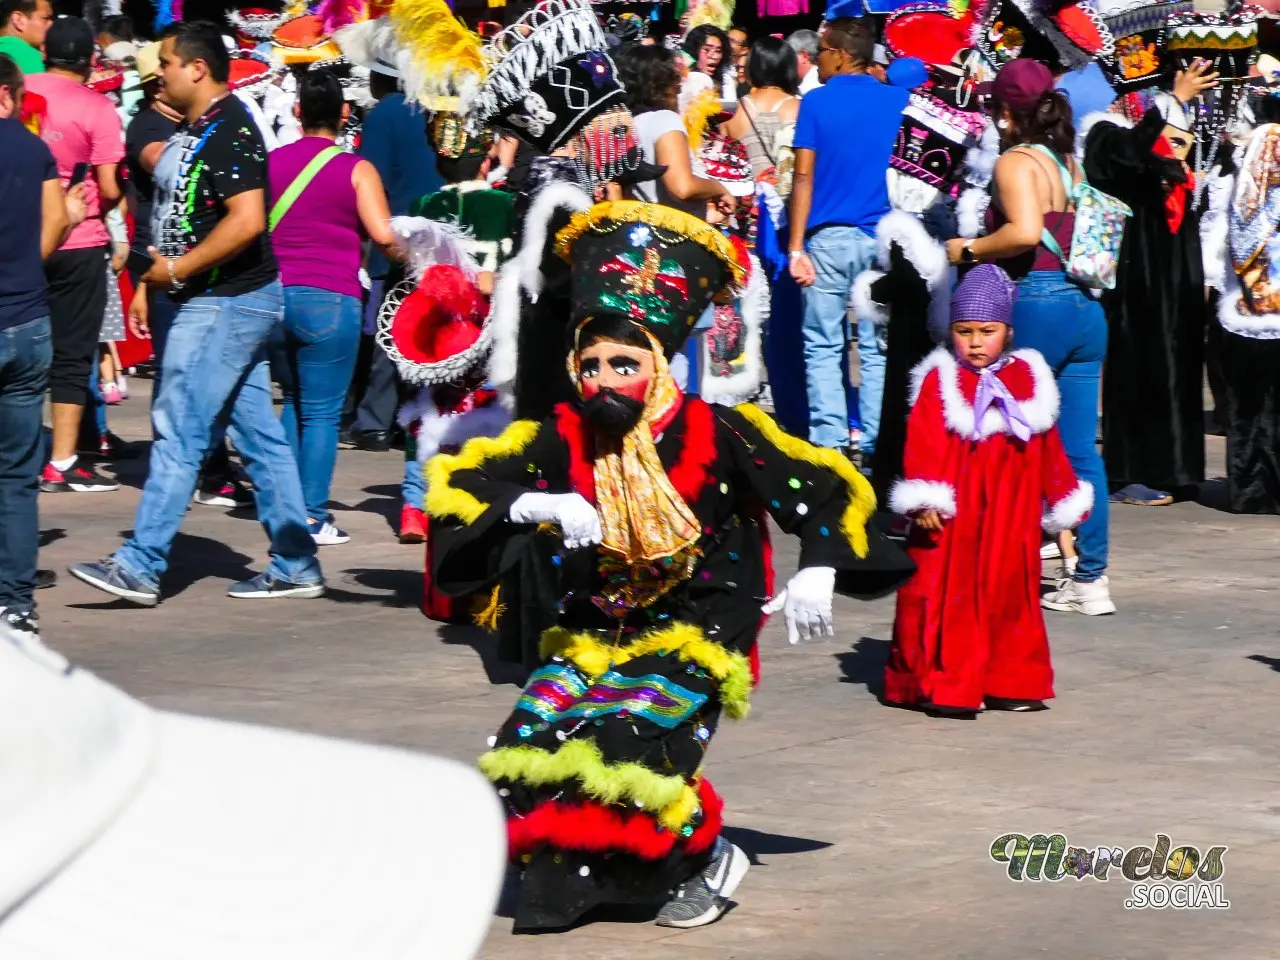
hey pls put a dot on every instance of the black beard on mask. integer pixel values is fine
(611, 412)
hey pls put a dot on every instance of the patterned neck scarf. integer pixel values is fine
(642, 516)
(993, 393)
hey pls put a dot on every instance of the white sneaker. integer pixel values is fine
(1091, 599)
(1050, 551)
(325, 534)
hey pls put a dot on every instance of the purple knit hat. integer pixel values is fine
(985, 295)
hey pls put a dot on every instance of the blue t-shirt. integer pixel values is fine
(394, 140)
(27, 165)
(851, 122)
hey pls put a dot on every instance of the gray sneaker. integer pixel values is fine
(108, 576)
(704, 898)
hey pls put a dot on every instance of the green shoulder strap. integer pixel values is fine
(300, 183)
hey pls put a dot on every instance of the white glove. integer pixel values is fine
(806, 601)
(577, 518)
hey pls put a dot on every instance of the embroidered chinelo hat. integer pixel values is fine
(549, 75)
(1140, 28)
(657, 267)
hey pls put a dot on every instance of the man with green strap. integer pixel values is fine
(212, 251)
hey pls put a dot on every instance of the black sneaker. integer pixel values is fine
(108, 576)
(266, 587)
(21, 622)
(704, 898)
(1014, 705)
(222, 492)
(77, 478)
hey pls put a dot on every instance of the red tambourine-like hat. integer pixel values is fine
(433, 331)
(247, 74)
(931, 32)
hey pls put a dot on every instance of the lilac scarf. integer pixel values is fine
(992, 392)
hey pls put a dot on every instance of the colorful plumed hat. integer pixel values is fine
(372, 45)
(652, 265)
(549, 75)
(444, 65)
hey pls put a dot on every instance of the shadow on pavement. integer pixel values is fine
(397, 588)
(757, 843)
(1272, 662)
(864, 664)
(485, 645)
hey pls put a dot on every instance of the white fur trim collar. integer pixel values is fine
(1069, 512)
(926, 254)
(1090, 121)
(1040, 409)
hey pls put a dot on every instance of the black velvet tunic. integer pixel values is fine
(600, 762)
(1152, 402)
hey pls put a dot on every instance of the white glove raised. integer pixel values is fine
(577, 519)
(806, 602)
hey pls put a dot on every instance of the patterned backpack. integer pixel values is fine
(1099, 228)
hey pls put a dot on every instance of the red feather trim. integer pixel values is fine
(698, 453)
(573, 431)
(688, 475)
(597, 829)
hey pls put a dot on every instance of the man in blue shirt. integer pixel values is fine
(394, 140)
(843, 140)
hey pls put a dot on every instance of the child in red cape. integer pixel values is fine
(984, 472)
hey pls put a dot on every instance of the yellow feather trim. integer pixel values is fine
(674, 800)
(862, 499)
(445, 500)
(446, 56)
(697, 116)
(731, 669)
(489, 610)
(608, 216)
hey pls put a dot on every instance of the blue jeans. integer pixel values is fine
(413, 489)
(1055, 317)
(25, 354)
(312, 356)
(839, 254)
(215, 368)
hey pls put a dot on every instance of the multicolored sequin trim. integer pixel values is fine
(559, 692)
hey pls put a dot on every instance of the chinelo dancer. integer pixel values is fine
(648, 510)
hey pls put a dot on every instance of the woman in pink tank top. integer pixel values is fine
(1051, 314)
(319, 243)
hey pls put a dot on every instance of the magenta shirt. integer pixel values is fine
(318, 242)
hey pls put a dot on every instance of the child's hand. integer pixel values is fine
(929, 520)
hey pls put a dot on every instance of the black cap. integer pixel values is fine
(69, 43)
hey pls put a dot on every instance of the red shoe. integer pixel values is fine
(413, 525)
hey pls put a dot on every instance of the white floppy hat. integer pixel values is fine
(131, 834)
